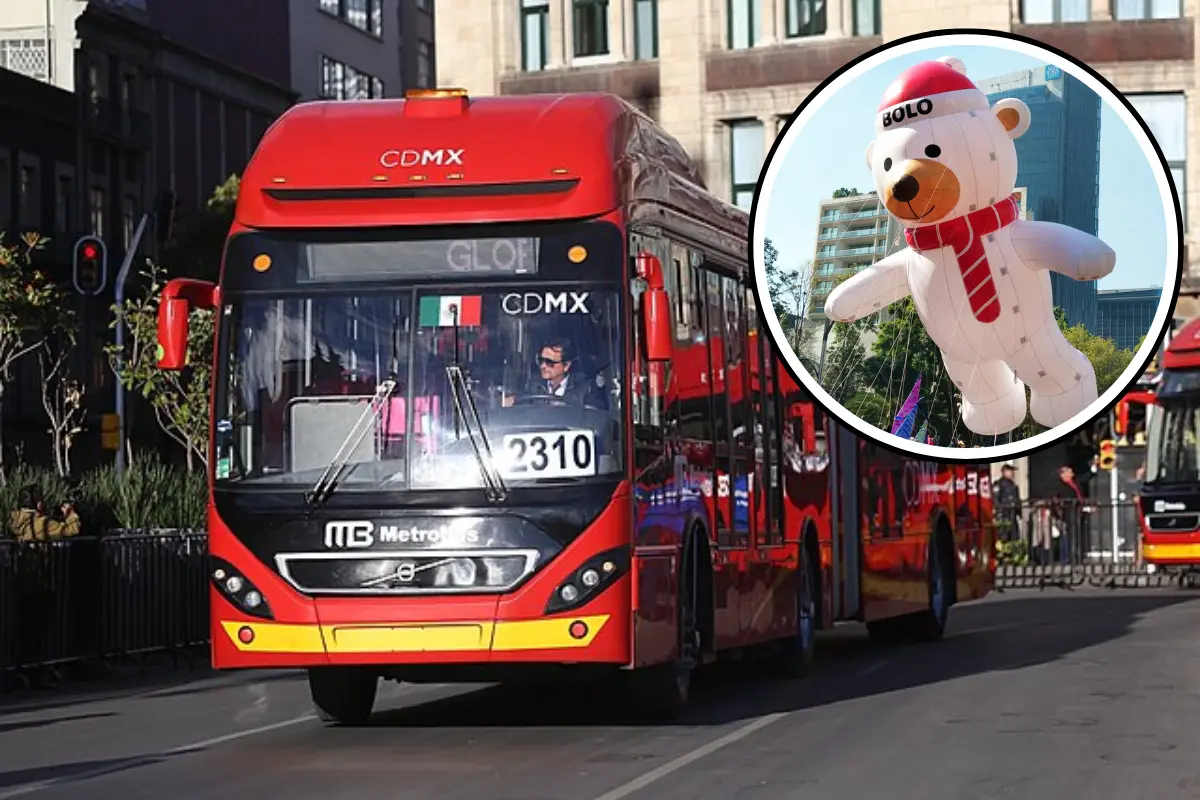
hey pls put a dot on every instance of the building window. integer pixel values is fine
(1147, 9)
(590, 23)
(424, 64)
(343, 82)
(97, 211)
(64, 204)
(1166, 117)
(866, 18)
(746, 153)
(805, 18)
(25, 56)
(129, 220)
(743, 23)
(29, 201)
(366, 15)
(645, 29)
(535, 34)
(1045, 12)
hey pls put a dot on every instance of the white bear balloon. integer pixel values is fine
(946, 166)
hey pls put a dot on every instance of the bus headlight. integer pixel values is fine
(238, 590)
(589, 580)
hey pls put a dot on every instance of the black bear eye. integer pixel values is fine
(933, 151)
(887, 164)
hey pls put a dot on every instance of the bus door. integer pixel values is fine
(732, 559)
(846, 522)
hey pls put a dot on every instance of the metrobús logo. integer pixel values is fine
(359, 534)
(413, 157)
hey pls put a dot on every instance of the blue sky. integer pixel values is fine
(829, 152)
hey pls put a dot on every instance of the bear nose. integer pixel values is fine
(905, 189)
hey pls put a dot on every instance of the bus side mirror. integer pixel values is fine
(172, 333)
(656, 310)
(179, 296)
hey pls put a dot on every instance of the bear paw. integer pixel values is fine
(1055, 409)
(998, 416)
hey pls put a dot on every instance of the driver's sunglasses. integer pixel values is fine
(546, 362)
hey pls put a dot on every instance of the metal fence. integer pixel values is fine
(1058, 532)
(85, 597)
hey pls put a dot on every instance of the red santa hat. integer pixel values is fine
(929, 89)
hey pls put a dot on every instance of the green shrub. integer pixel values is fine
(150, 495)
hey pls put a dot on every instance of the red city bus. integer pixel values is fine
(1169, 497)
(397, 493)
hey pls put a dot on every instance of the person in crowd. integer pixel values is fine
(1008, 504)
(30, 522)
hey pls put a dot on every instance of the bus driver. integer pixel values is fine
(554, 361)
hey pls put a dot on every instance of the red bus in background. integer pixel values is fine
(394, 494)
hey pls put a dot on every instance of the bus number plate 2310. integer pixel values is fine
(549, 454)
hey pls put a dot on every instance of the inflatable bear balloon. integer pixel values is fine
(945, 165)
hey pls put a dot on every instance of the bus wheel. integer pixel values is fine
(797, 654)
(343, 695)
(661, 692)
(930, 625)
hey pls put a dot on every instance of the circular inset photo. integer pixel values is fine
(966, 246)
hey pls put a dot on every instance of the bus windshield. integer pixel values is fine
(396, 359)
(541, 362)
(1173, 452)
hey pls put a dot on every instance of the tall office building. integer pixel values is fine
(1124, 315)
(1059, 162)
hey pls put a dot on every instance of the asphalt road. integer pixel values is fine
(1032, 695)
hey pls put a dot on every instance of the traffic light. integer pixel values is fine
(1108, 454)
(90, 271)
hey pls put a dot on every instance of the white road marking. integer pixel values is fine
(654, 775)
(872, 667)
(125, 763)
(29, 788)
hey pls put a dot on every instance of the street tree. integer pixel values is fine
(62, 393)
(28, 297)
(180, 399)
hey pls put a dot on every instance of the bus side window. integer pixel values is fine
(647, 408)
(691, 364)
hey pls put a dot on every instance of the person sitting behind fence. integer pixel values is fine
(30, 522)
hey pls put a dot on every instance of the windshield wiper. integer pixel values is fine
(494, 485)
(324, 485)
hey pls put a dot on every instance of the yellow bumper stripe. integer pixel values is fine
(538, 634)
(1179, 550)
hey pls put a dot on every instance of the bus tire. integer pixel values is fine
(661, 692)
(930, 624)
(797, 654)
(343, 695)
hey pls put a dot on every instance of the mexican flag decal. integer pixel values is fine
(437, 312)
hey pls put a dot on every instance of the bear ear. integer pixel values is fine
(1013, 115)
(870, 150)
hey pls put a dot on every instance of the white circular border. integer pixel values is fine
(844, 416)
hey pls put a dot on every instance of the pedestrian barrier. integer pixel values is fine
(86, 598)
(1070, 543)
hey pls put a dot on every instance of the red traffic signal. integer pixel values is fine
(90, 265)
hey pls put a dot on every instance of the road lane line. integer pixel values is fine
(389, 691)
(654, 775)
(150, 758)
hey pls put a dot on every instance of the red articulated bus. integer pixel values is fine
(490, 397)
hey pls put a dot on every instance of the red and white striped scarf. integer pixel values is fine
(965, 234)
